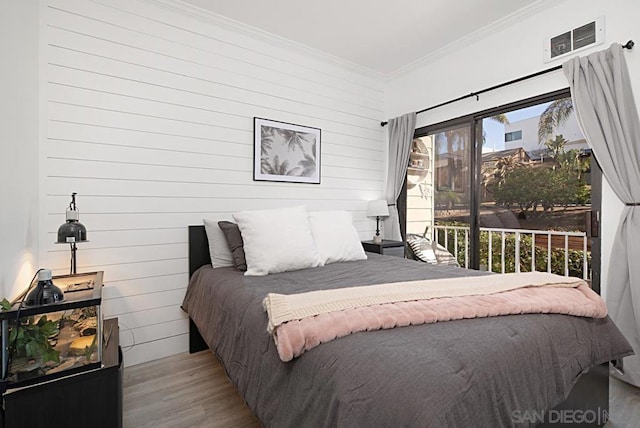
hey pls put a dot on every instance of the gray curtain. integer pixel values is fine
(608, 116)
(401, 130)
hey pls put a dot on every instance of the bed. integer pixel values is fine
(517, 370)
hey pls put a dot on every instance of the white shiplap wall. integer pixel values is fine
(149, 110)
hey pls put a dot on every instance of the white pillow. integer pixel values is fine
(277, 240)
(218, 248)
(336, 238)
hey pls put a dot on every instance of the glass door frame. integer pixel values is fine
(461, 122)
(474, 122)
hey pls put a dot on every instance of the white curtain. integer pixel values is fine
(608, 116)
(401, 130)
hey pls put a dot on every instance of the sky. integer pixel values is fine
(495, 131)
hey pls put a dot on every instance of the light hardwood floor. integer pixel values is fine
(183, 391)
(624, 405)
(188, 391)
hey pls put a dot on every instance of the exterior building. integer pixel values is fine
(517, 155)
(524, 133)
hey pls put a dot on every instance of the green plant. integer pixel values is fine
(30, 338)
(90, 349)
(447, 199)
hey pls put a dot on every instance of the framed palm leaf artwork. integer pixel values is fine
(285, 152)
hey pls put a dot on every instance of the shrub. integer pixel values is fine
(529, 188)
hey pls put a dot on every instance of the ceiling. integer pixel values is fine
(384, 36)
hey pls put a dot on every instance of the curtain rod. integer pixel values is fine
(629, 45)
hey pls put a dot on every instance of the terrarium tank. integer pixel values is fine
(52, 330)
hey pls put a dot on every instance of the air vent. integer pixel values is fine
(587, 35)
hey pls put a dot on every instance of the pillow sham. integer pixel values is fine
(422, 249)
(335, 236)
(444, 256)
(277, 240)
(234, 241)
(218, 248)
(428, 251)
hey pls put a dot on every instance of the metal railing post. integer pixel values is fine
(585, 264)
(490, 252)
(517, 253)
(502, 255)
(533, 252)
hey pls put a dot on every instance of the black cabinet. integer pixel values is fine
(387, 247)
(88, 399)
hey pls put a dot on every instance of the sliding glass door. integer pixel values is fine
(438, 187)
(507, 190)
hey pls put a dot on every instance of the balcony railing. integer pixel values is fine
(564, 253)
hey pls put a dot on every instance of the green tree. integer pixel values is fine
(560, 188)
(520, 188)
(494, 175)
(500, 118)
(504, 165)
(572, 161)
(456, 141)
(556, 146)
(530, 188)
(553, 116)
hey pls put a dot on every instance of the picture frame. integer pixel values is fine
(286, 152)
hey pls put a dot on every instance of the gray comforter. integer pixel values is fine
(467, 373)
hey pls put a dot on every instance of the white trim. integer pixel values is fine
(487, 30)
(210, 17)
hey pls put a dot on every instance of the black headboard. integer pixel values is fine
(198, 248)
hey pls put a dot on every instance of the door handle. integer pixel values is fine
(592, 225)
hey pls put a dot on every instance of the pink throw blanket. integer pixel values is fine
(294, 337)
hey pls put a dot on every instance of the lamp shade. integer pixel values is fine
(378, 208)
(45, 292)
(72, 231)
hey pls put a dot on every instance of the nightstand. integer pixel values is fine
(91, 398)
(387, 248)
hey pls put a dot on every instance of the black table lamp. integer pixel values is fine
(72, 231)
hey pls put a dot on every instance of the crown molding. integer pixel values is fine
(487, 30)
(209, 17)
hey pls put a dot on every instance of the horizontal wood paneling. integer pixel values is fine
(149, 116)
(132, 254)
(123, 238)
(133, 320)
(125, 271)
(142, 302)
(141, 286)
(164, 220)
(133, 204)
(218, 42)
(149, 333)
(143, 352)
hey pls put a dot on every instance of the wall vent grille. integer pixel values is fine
(587, 35)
